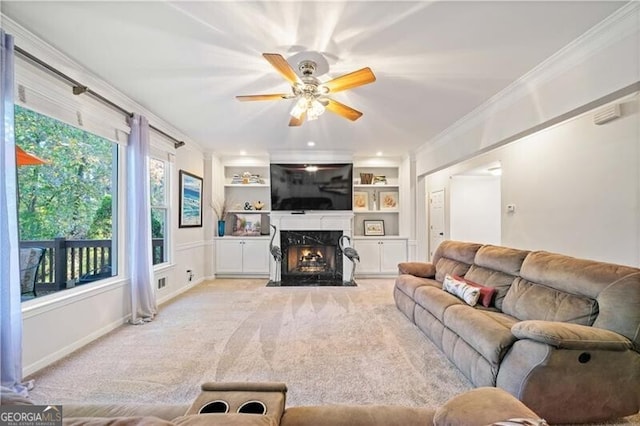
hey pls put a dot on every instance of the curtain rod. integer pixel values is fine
(79, 89)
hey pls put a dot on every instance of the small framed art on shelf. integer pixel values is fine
(388, 200)
(373, 228)
(360, 201)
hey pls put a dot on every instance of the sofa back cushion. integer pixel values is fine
(528, 300)
(496, 267)
(620, 308)
(555, 287)
(454, 258)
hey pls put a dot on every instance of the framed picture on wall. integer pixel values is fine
(373, 228)
(190, 215)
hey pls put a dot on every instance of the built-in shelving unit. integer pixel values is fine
(377, 201)
(244, 187)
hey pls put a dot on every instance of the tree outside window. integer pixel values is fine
(159, 209)
(66, 206)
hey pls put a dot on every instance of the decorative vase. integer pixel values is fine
(221, 225)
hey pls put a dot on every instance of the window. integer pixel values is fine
(159, 209)
(68, 205)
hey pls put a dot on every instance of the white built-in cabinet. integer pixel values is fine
(380, 256)
(242, 256)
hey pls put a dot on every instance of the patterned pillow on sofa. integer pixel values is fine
(459, 288)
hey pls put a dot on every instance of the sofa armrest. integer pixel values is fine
(482, 406)
(417, 269)
(565, 335)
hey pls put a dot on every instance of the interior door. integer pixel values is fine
(436, 220)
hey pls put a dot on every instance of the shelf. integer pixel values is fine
(375, 211)
(249, 211)
(363, 186)
(246, 185)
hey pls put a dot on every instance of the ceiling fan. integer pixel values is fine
(313, 95)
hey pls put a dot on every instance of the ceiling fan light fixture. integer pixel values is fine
(299, 108)
(314, 109)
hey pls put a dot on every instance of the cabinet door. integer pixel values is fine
(229, 256)
(369, 252)
(392, 252)
(255, 256)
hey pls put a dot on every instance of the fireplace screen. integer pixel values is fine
(310, 257)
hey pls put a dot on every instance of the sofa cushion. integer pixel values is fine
(530, 301)
(619, 306)
(409, 283)
(489, 333)
(231, 419)
(570, 336)
(461, 289)
(496, 267)
(115, 421)
(163, 411)
(454, 258)
(354, 415)
(435, 301)
(503, 259)
(418, 269)
(478, 407)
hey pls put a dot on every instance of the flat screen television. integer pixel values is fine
(302, 187)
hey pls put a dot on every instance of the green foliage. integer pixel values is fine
(70, 196)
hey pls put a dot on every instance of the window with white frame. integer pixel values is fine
(67, 204)
(158, 174)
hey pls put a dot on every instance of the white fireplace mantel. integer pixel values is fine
(312, 221)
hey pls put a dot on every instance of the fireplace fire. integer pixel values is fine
(311, 257)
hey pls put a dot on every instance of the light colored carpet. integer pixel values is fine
(345, 345)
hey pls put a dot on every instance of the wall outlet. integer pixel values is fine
(162, 282)
(189, 275)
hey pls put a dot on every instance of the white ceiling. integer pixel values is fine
(434, 61)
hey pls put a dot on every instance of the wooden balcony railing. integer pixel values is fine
(67, 263)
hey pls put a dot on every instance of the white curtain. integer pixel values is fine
(10, 304)
(143, 295)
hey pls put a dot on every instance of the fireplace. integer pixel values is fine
(311, 258)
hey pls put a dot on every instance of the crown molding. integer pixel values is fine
(622, 23)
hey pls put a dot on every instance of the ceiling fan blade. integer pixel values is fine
(343, 110)
(295, 122)
(351, 80)
(272, 97)
(282, 66)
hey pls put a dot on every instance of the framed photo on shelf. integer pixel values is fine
(379, 180)
(247, 225)
(388, 200)
(374, 228)
(190, 215)
(360, 201)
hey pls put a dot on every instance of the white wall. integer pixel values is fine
(475, 209)
(576, 188)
